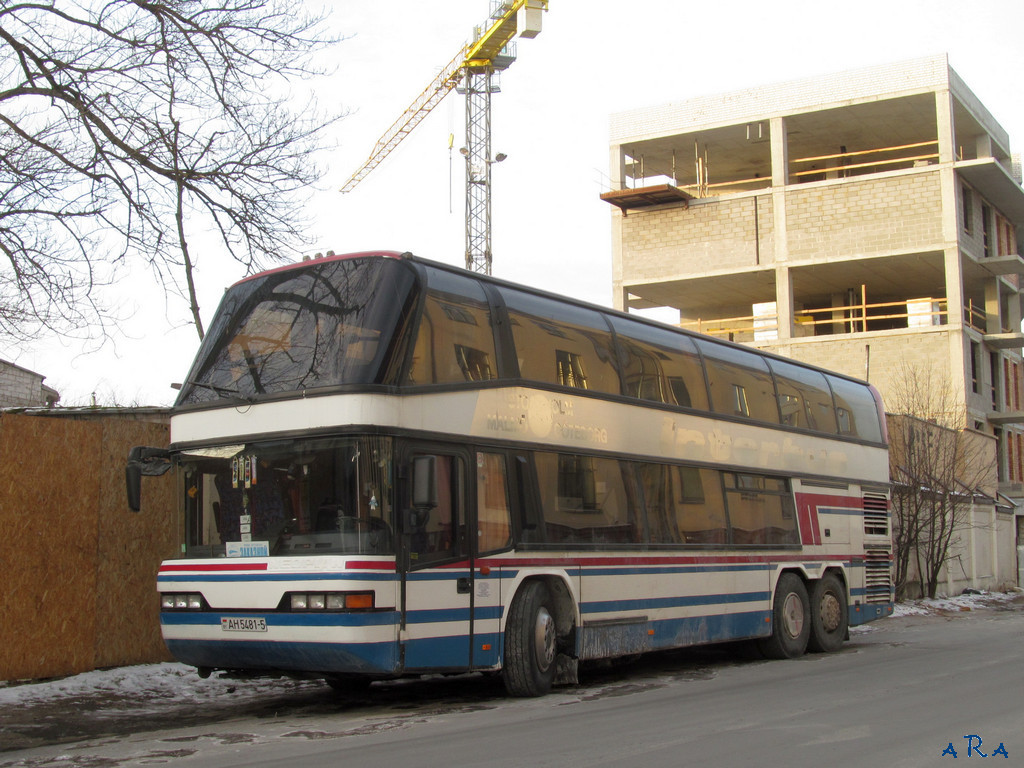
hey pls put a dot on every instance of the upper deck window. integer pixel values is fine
(740, 382)
(455, 342)
(805, 399)
(326, 324)
(857, 411)
(660, 365)
(561, 343)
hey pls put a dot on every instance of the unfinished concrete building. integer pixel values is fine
(864, 222)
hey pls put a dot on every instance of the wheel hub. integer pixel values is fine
(830, 612)
(544, 639)
(793, 615)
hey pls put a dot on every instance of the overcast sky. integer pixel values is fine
(550, 229)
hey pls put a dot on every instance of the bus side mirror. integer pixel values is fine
(424, 482)
(142, 460)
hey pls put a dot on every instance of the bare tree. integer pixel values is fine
(938, 469)
(131, 126)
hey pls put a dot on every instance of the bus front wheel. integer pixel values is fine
(791, 626)
(530, 642)
(829, 616)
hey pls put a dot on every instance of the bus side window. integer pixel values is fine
(856, 410)
(559, 343)
(455, 342)
(761, 510)
(659, 364)
(805, 399)
(662, 527)
(697, 497)
(492, 508)
(740, 382)
(585, 500)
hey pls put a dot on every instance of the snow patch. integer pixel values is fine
(965, 602)
(142, 684)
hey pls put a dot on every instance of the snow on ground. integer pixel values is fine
(159, 683)
(965, 602)
(154, 684)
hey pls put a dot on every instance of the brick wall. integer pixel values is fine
(875, 216)
(677, 242)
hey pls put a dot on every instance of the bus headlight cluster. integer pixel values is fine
(181, 601)
(331, 601)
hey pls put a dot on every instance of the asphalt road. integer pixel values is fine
(901, 693)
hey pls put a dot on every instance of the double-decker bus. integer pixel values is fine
(388, 466)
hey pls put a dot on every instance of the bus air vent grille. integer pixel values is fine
(876, 515)
(878, 576)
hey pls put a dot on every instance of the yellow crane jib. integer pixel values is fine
(521, 17)
(510, 18)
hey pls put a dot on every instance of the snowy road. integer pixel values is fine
(900, 693)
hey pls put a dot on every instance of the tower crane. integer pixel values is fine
(470, 71)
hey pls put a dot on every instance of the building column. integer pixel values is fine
(617, 175)
(944, 124)
(784, 305)
(780, 178)
(983, 146)
(780, 151)
(993, 307)
(950, 211)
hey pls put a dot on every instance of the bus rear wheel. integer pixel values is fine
(530, 642)
(829, 615)
(791, 626)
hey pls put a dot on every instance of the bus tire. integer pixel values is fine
(791, 626)
(530, 642)
(829, 615)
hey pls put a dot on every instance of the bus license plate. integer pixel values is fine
(242, 624)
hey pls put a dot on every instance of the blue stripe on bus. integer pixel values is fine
(351, 658)
(452, 614)
(311, 619)
(670, 569)
(376, 618)
(607, 606)
(841, 511)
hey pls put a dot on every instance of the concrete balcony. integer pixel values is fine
(999, 418)
(1004, 340)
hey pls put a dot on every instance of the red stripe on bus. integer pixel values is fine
(369, 565)
(215, 567)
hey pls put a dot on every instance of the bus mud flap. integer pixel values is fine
(567, 670)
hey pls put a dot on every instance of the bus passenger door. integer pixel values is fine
(435, 562)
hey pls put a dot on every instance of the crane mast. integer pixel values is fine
(471, 71)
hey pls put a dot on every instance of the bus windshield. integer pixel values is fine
(337, 322)
(319, 496)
